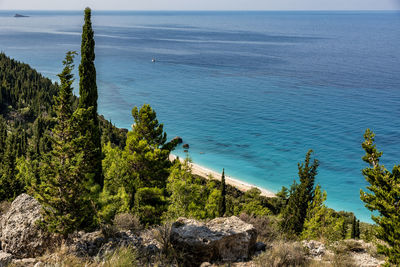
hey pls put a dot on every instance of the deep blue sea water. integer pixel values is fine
(252, 90)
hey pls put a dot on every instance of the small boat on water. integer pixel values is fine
(153, 60)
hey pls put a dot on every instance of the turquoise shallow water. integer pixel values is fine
(250, 92)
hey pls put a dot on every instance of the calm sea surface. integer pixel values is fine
(250, 92)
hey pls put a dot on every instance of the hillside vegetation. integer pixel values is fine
(89, 175)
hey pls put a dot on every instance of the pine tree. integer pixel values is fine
(88, 100)
(222, 209)
(301, 196)
(384, 197)
(147, 154)
(147, 150)
(63, 189)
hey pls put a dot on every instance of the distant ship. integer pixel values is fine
(20, 16)
(153, 60)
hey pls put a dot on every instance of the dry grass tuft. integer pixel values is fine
(4, 207)
(283, 254)
(121, 257)
(127, 221)
(267, 227)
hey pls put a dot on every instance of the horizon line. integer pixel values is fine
(208, 10)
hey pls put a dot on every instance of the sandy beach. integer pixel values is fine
(243, 186)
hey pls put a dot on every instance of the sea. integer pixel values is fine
(250, 92)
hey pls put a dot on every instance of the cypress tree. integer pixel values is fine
(222, 209)
(343, 230)
(357, 235)
(64, 189)
(300, 197)
(384, 197)
(87, 71)
(3, 137)
(88, 100)
(353, 228)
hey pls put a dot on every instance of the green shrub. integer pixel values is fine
(150, 205)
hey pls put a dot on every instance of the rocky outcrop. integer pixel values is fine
(359, 251)
(83, 244)
(316, 249)
(5, 258)
(177, 139)
(356, 250)
(222, 239)
(20, 234)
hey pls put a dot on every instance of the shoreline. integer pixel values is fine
(205, 172)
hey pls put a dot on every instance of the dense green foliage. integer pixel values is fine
(150, 204)
(321, 223)
(26, 123)
(147, 150)
(24, 93)
(190, 196)
(301, 195)
(384, 197)
(140, 170)
(14, 146)
(197, 197)
(147, 154)
(63, 189)
(90, 127)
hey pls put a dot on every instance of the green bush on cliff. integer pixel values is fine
(320, 222)
(188, 195)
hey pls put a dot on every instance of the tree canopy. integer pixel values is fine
(383, 196)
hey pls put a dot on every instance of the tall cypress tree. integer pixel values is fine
(383, 196)
(222, 209)
(88, 100)
(353, 233)
(357, 235)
